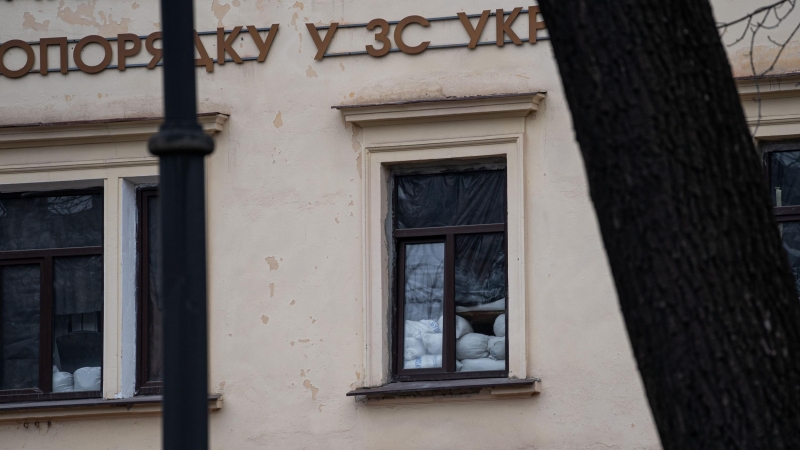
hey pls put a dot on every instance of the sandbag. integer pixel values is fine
(500, 325)
(62, 381)
(472, 346)
(87, 379)
(497, 347)
(462, 326)
(424, 362)
(433, 343)
(413, 349)
(415, 329)
(481, 365)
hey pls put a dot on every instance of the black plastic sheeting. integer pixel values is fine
(78, 284)
(480, 269)
(453, 199)
(51, 222)
(154, 309)
(449, 199)
(19, 287)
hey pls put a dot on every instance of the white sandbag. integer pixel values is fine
(415, 329)
(497, 305)
(500, 325)
(458, 366)
(87, 379)
(482, 365)
(497, 347)
(413, 348)
(424, 362)
(62, 381)
(472, 346)
(433, 343)
(462, 326)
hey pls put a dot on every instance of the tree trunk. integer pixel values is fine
(705, 288)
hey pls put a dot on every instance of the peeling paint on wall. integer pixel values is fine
(273, 263)
(29, 21)
(219, 11)
(278, 122)
(314, 390)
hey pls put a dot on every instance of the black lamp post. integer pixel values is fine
(182, 146)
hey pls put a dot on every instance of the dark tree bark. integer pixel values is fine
(703, 283)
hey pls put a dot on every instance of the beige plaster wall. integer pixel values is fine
(284, 211)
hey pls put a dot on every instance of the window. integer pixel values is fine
(451, 285)
(782, 164)
(51, 295)
(150, 357)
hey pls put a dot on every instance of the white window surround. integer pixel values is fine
(109, 153)
(467, 128)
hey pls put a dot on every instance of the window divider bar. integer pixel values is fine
(46, 326)
(51, 252)
(449, 337)
(443, 231)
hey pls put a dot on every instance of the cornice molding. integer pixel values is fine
(510, 105)
(94, 131)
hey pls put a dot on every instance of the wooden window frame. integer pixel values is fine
(143, 385)
(446, 235)
(44, 258)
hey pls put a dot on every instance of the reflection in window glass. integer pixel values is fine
(785, 178)
(77, 319)
(28, 223)
(19, 294)
(423, 305)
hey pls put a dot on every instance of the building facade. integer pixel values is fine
(402, 251)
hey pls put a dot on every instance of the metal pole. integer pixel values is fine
(181, 146)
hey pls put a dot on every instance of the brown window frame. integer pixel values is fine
(44, 258)
(447, 235)
(143, 385)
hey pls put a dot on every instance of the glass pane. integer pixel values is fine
(480, 297)
(154, 354)
(785, 178)
(439, 200)
(790, 233)
(423, 304)
(77, 323)
(51, 222)
(19, 293)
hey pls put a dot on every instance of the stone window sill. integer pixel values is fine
(482, 387)
(144, 405)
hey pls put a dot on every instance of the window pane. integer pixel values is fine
(20, 290)
(439, 200)
(480, 297)
(154, 355)
(423, 305)
(51, 222)
(790, 233)
(77, 323)
(785, 178)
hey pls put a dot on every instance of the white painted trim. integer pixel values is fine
(444, 110)
(95, 132)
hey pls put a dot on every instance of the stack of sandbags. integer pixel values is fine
(478, 352)
(62, 381)
(481, 365)
(87, 379)
(422, 347)
(500, 326)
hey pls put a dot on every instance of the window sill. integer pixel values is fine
(94, 408)
(482, 387)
